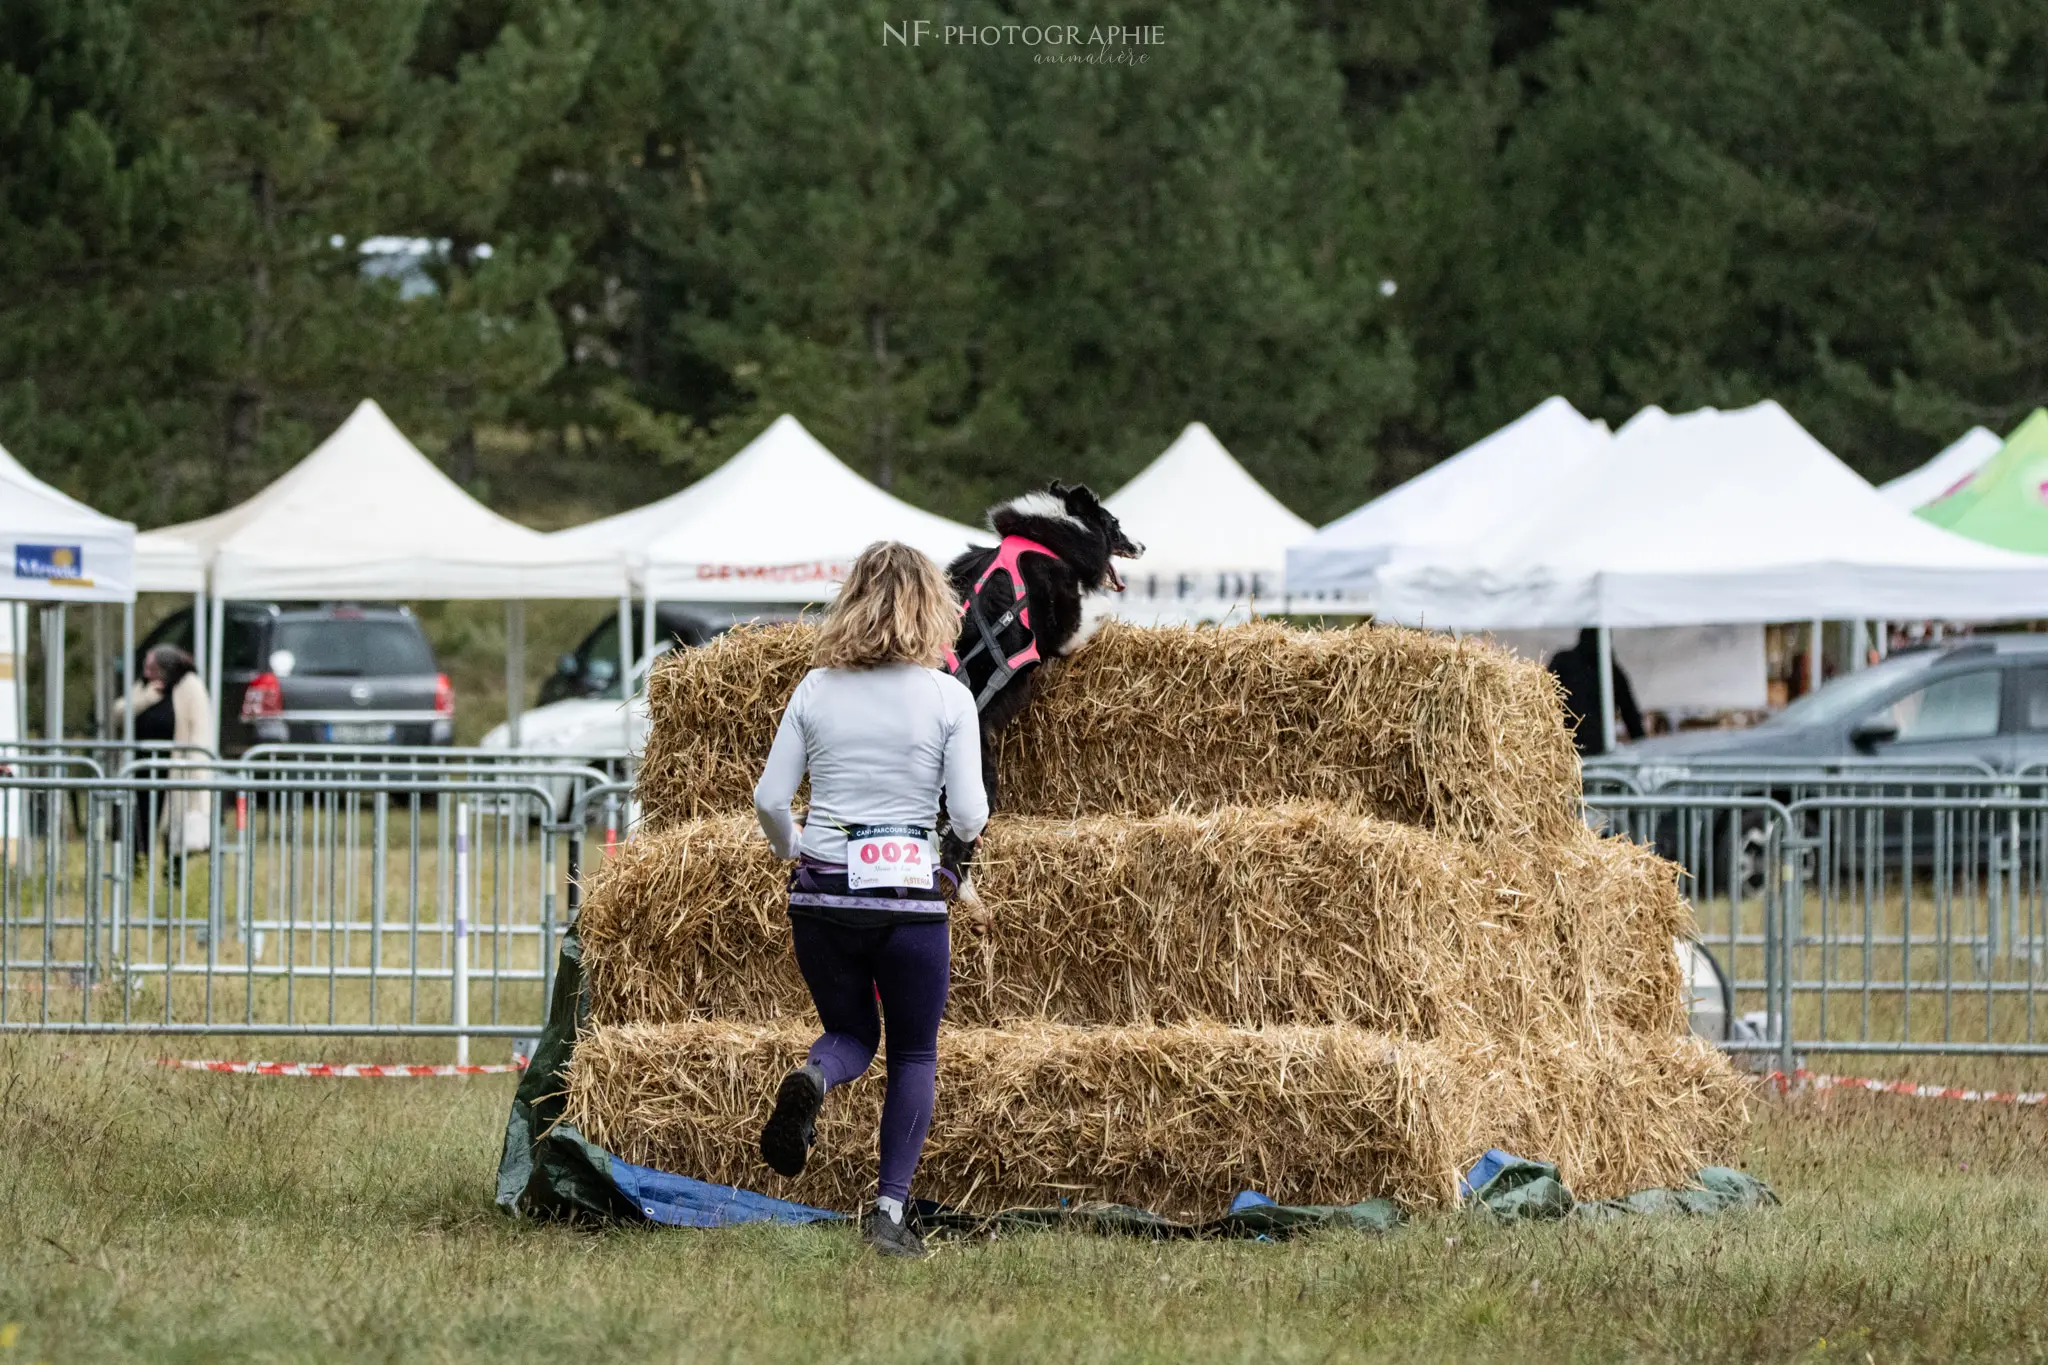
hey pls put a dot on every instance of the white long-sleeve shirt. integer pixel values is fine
(880, 745)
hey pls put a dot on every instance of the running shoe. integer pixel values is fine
(787, 1137)
(891, 1238)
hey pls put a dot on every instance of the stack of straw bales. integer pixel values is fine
(1306, 912)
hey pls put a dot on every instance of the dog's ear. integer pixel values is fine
(1058, 490)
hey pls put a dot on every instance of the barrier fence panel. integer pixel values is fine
(1896, 911)
(1728, 848)
(267, 898)
(1915, 924)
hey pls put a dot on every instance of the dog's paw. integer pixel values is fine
(967, 895)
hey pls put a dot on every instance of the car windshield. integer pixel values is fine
(1848, 697)
(342, 648)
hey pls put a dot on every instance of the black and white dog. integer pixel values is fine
(1025, 602)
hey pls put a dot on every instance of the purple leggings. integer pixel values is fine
(908, 965)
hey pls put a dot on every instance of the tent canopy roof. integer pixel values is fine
(1954, 467)
(366, 515)
(1458, 501)
(1196, 510)
(63, 550)
(1716, 517)
(2003, 504)
(781, 521)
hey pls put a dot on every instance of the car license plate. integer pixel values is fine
(360, 734)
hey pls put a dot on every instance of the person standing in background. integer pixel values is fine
(1577, 671)
(172, 709)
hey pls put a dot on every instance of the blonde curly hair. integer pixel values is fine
(895, 607)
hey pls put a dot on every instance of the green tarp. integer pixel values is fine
(2006, 502)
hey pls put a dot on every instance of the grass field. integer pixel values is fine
(149, 1215)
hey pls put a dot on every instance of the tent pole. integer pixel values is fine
(1881, 639)
(127, 671)
(625, 655)
(647, 626)
(218, 609)
(1813, 662)
(515, 668)
(102, 708)
(21, 619)
(1857, 635)
(53, 670)
(1606, 666)
(202, 638)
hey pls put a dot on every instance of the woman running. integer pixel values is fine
(882, 730)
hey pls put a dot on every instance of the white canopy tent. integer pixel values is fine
(1215, 540)
(780, 522)
(1484, 495)
(1461, 501)
(167, 563)
(1946, 472)
(63, 552)
(1715, 516)
(1722, 517)
(367, 516)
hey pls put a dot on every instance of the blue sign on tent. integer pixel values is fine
(51, 563)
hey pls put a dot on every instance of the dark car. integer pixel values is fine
(1983, 700)
(325, 673)
(592, 668)
(1934, 715)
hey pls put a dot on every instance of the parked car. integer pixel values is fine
(322, 673)
(1983, 700)
(1942, 712)
(592, 668)
(595, 726)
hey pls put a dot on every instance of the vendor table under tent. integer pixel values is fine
(1713, 516)
(367, 516)
(779, 523)
(1215, 540)
(1486, 494)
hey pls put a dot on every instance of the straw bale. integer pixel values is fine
(1616, 1111)
(1452, 735)
(1300, 914)
(1174, 1119)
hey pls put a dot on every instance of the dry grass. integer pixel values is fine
(1450, 735)
(1174, 1119)
(1302, 914)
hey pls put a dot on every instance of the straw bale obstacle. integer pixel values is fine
(1306, 912)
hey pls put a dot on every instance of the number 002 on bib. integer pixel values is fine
(888, 855)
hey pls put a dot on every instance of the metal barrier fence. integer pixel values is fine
(1891, 910)
(1854, 909)
(359, 892)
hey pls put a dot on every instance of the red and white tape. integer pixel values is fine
(1805, 1080)
(345, 1070)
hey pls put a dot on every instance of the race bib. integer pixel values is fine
(889, 855)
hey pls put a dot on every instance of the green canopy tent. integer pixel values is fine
(2006, 504)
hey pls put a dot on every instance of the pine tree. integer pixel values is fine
(827, 226)
(90, 205)
(1187, 239)
(316, 127)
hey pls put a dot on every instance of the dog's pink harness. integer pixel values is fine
(1009, 552)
